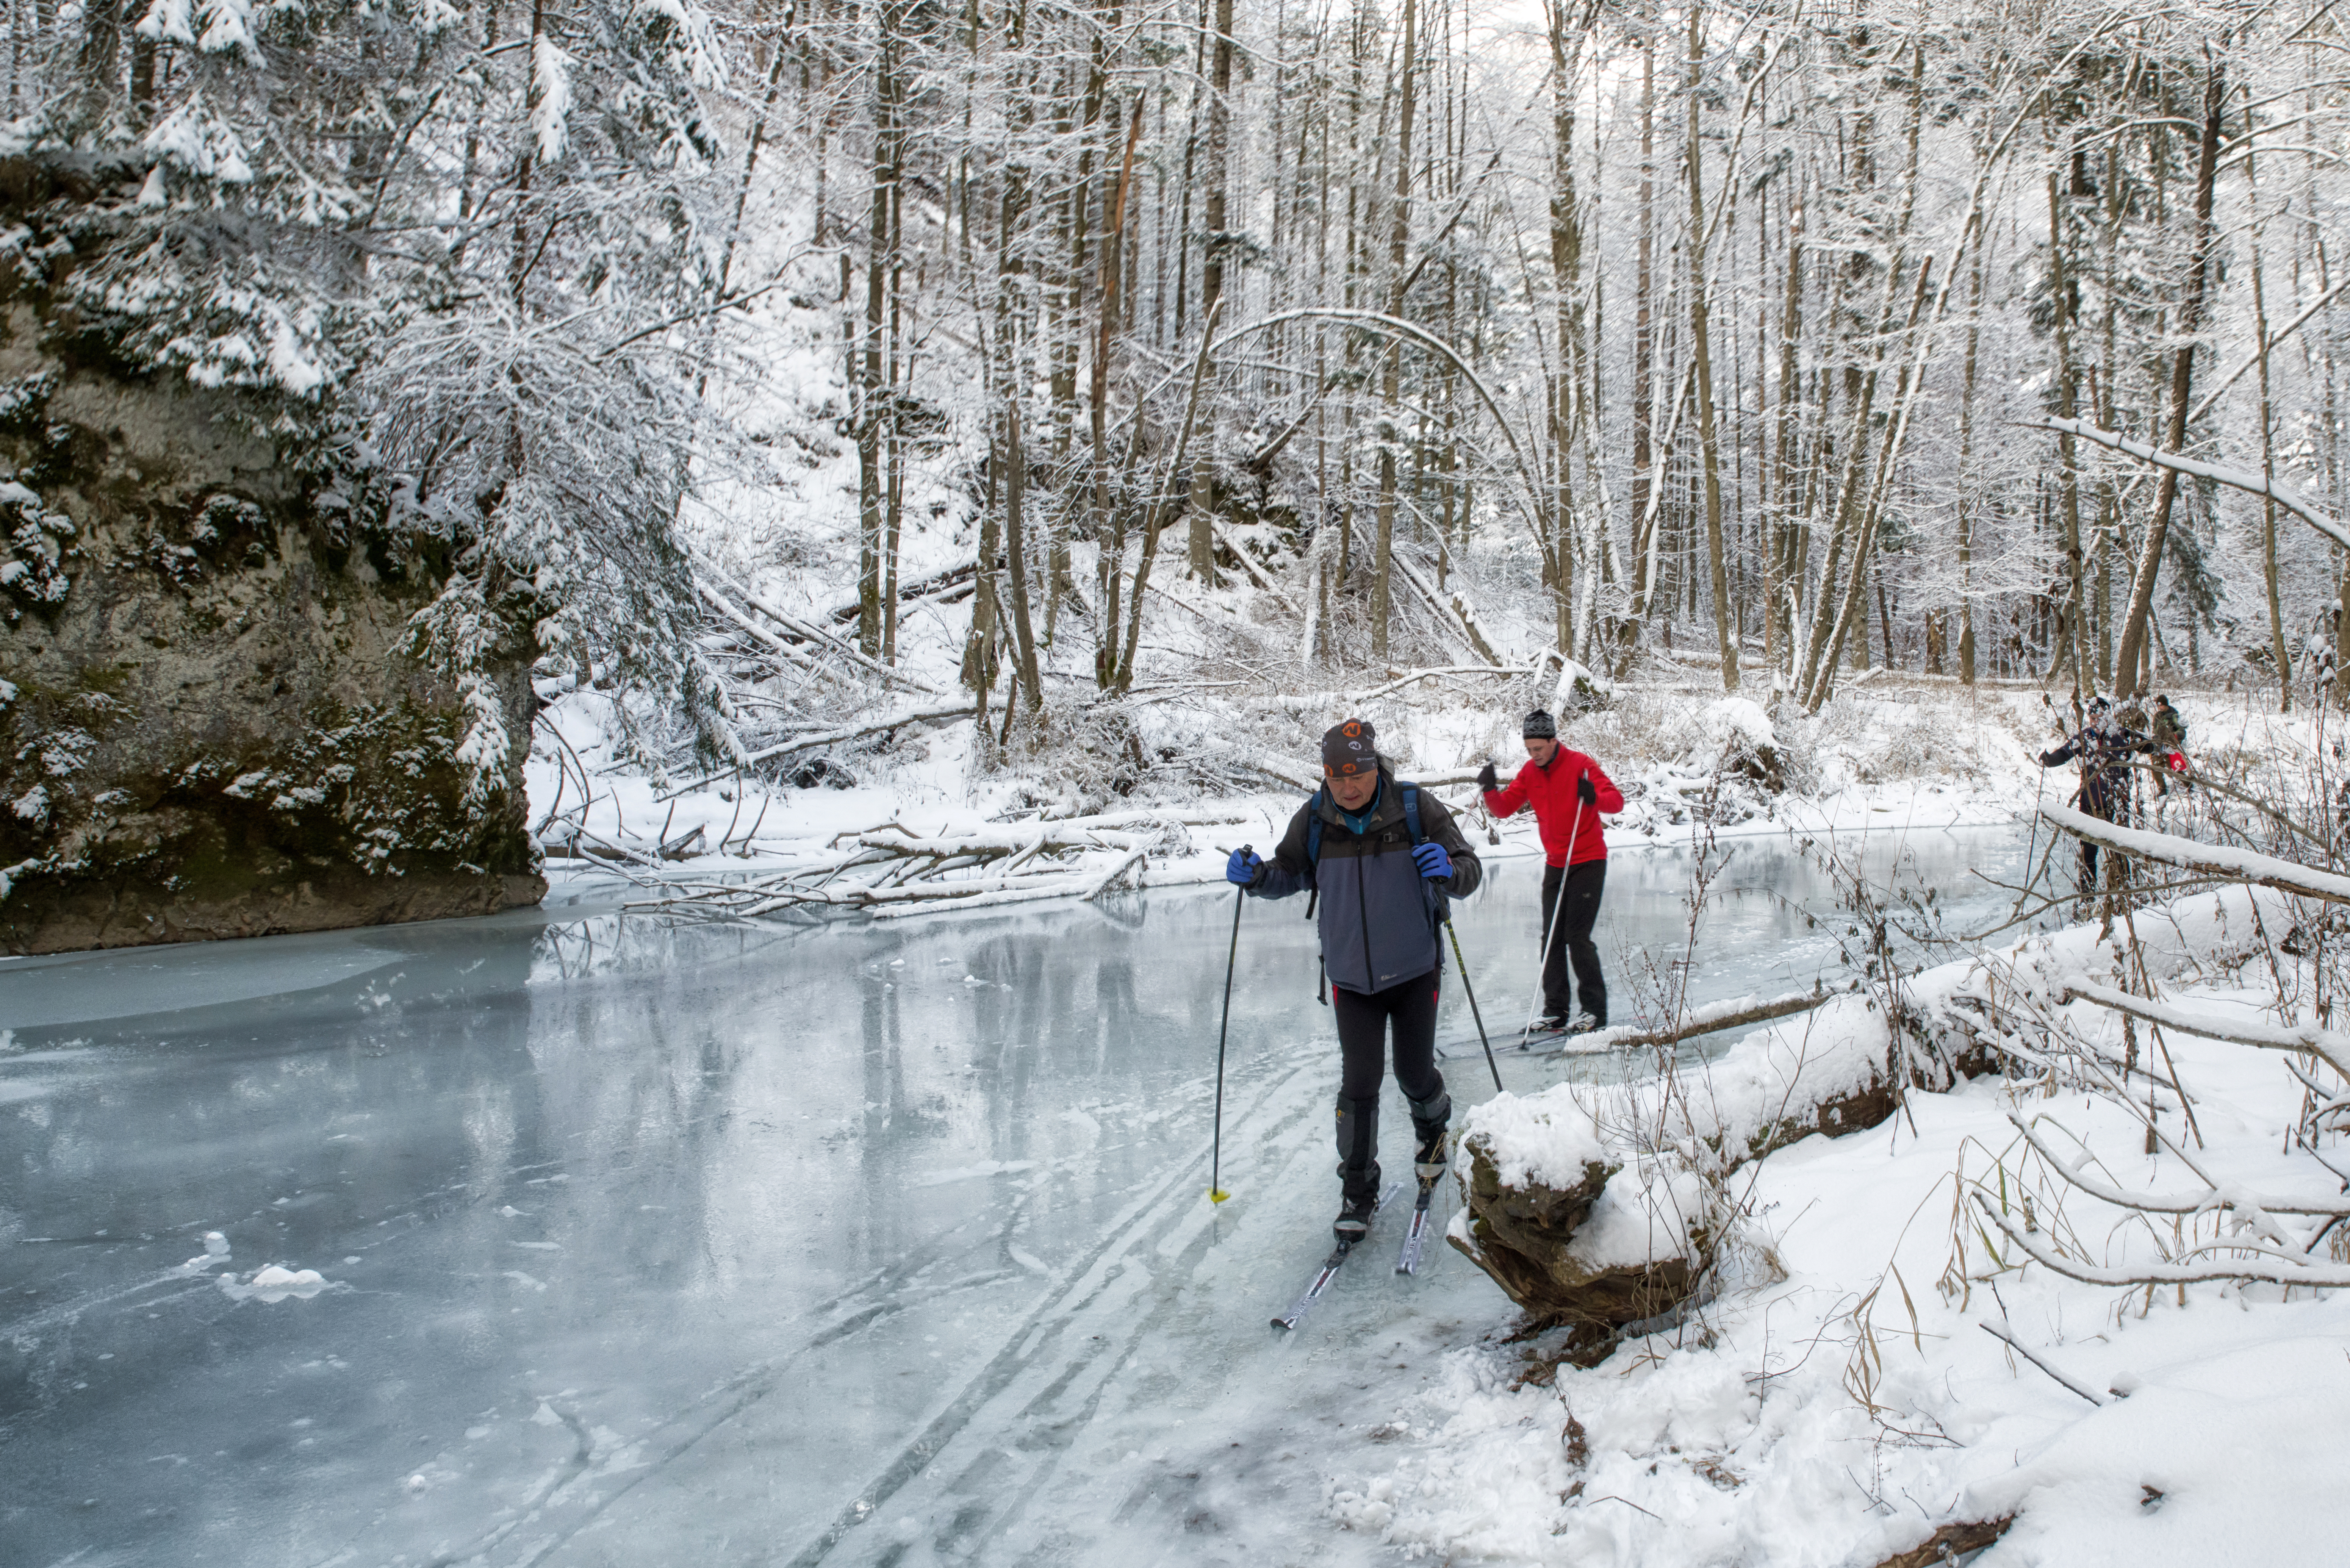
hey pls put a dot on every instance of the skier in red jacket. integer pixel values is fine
(1568, 794)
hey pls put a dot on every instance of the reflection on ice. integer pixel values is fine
(584, 1239)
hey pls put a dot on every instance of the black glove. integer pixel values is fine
(1488, 779)
(2048, 759)
(1586, 791)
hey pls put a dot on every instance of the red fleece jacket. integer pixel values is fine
(1552, 792)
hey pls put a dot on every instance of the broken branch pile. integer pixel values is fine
(891, 870)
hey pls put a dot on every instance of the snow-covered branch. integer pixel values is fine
(2211, 1198)
(2255, 1260)
(2244, 479)
(2333, 1047)
(2205, 859)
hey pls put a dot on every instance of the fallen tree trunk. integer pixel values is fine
(1248, 563)
(2205, 859)
(920, 587)
(942, 713)
(797, 629)
(1710, 1019)
(891, 871)
(1456, 614)
(1950, 1543)
(2333, 1047)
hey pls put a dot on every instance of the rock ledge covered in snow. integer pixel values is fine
(210, 724)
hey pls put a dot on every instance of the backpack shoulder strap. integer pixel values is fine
(1437, 899)
(1314, 828)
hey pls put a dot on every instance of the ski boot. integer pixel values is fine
(1430, 1157)
(1430, 1120)
(1354, 1222)
(1584, 1023)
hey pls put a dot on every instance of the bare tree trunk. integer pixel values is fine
(872, 394)
(2277, 649)
(1398, 239)
(1211, 277)
(1723, 635)
(1567, 279)
(1110, 536)
(2182, 377)
(1787, 561)
(1644, 407)
(1965, 495)
(1015, 492)
(986, 616)
(1156, 520)
(2065, 292)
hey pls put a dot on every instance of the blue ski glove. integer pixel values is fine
(1433, 863)
(1244, 868)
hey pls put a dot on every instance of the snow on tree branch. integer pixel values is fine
(2245, 479)
(2327, 1043)
(2193, 854)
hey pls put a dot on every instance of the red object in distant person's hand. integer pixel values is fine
(2179, 762)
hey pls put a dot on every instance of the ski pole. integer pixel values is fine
(1471, 990)
(1216, 1193)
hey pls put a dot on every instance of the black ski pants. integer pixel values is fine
(1363, 1023)
(1581, 885)
(2108, 797)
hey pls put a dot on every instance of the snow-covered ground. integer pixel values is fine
(1840, 1399)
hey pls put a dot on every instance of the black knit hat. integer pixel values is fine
(1540, 726)
(1349, 749)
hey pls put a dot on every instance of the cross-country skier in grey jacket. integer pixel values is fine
(1380, 910)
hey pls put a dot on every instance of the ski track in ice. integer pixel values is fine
(1007, 1391)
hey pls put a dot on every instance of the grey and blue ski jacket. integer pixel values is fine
(1378, 916)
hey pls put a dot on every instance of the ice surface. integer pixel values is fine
(85, 988)
(646, 1243)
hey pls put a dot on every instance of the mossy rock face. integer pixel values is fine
(209, 725)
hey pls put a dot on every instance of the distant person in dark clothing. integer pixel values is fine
(1569, 793)
(2103, 748)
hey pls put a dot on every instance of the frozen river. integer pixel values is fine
(649, 1243)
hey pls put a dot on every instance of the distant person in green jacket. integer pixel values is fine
(2169, 734)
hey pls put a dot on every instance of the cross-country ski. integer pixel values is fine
(1415, 1235)
(1330, 1265)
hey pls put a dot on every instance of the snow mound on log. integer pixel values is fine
(1789, 1072)
(1642, 1218)
(1543, 1139)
